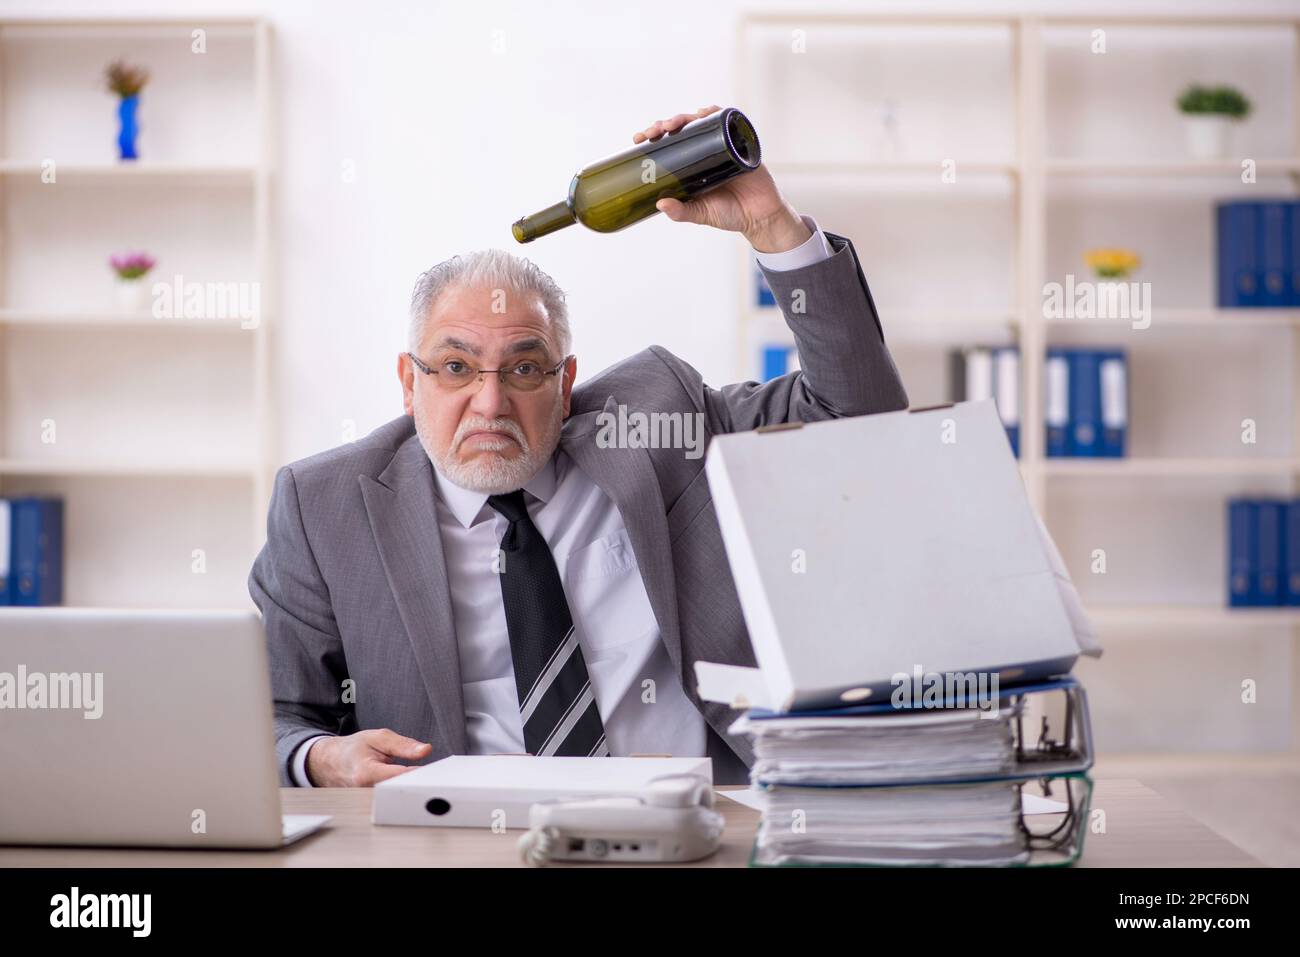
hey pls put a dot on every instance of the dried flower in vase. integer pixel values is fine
(126, 80)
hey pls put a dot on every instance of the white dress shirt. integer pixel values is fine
(640, 699)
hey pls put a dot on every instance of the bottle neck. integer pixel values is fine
(540, 224)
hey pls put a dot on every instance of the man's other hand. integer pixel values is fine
(749, 204)
(361, 760)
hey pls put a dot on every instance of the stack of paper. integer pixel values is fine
(952, 825)
(894, 788)
(875, 749)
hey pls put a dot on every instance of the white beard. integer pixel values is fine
(489, 472)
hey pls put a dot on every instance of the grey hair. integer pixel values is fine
(494, 269)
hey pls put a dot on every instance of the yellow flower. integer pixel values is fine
(1112, 263)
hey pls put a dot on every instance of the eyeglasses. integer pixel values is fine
(454, 374)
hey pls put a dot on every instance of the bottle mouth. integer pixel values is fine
(542, 223)
(742, 139)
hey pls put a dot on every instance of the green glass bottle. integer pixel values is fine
(622, 189)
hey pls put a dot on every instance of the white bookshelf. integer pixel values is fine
(1058, 149)
(114, 320)
(1228, 170)
(135, 170)
(162, 425)
(1156, 467)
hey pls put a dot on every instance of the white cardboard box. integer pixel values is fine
(498, 790)
(869, 546)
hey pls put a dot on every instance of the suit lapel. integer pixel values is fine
(400, 505)
(627, 476)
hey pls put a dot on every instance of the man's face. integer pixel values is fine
(487, 437)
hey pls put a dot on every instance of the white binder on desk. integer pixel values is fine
(871, 546)
(499, 790)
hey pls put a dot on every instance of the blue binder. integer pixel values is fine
(1275, 253)
(1057, 389)
(1243, 525)
(776, 362)
(1268, 555)
(1085, 403)
(763, 290)
(1006, 391)
(36, 556)
(1293, 297)
(1113, 372)
(5, 551)
(1237, 240)
(1291, 549)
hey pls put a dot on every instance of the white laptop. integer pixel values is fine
(138, 728)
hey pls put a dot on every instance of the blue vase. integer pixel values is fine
(126, 119)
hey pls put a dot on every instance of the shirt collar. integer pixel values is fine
(468, 505)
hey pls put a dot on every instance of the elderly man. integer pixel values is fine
(492, 572)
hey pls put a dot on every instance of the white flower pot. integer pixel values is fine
(1209, 136)
(132, 295)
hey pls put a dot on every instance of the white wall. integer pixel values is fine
(450, 143)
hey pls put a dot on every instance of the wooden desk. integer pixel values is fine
(1143, 830)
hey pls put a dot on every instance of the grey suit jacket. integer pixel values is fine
(351, 581)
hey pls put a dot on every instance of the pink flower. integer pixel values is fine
(132, 265)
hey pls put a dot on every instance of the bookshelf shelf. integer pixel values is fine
(109, 321)
(243, 471)
(1254, 319)
(138, 171)
(1167, 467)
(1163, 168)
(1165, 617)
(772, 315)
(1093, 155)
(934, 166)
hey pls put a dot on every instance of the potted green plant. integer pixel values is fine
(1210, 112)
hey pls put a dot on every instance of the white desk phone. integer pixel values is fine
(671, 820)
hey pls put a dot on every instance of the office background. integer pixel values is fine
(329, 152)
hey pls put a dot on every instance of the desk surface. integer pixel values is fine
(1142, 830)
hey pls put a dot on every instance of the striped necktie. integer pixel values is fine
(556, 700)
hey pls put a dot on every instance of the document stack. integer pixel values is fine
(901, 543)
(879, 785)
